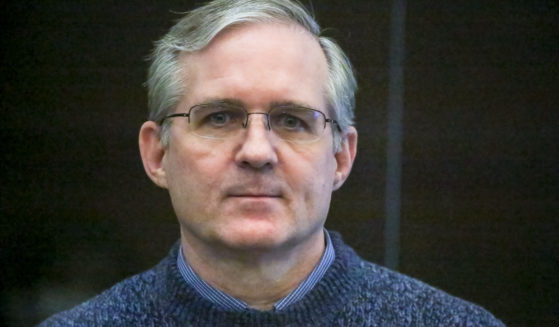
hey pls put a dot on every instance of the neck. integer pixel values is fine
(258, 278)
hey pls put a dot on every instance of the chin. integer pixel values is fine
(255, 238)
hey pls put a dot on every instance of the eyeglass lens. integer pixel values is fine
(290, 123)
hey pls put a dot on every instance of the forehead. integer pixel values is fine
(283, 61)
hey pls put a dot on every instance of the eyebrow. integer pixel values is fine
(226, 101)
(238, 103)
(275, 104)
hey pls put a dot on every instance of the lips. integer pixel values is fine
(254, 195)
(254, 191)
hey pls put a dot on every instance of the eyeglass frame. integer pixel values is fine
(245, 124)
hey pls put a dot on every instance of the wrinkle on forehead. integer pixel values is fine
(240, 33)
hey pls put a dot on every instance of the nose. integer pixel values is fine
(257, 149)
(265, 119)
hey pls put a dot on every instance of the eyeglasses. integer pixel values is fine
(223, 119)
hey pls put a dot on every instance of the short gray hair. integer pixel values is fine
(200, 26)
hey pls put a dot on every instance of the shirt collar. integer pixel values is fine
(230, 303)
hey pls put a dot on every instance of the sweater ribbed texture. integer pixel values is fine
(353, 292)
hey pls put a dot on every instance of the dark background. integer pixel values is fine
(480, 160)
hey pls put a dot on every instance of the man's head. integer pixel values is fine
(264, 183)
(166, 84)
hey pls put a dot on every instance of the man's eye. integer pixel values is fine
(219, 118)
(290, 123)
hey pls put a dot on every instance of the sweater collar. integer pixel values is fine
(329, 296)
(230, 303)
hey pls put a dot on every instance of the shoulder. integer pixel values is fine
(128, 302)
(404, 299)
(396, 299)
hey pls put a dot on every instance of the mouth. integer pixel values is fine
(254, 192)
(254, 195)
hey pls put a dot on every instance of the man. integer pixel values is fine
(250, 132)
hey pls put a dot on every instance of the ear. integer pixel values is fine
(345, 156)
(153, 152)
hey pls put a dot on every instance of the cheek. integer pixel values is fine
(313, 174)
(193, 172)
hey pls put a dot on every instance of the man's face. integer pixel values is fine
(255, 191)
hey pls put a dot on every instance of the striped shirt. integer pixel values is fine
(230, 303)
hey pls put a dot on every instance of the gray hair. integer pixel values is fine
(199, 27)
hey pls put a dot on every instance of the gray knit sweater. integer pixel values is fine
(352, 293)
